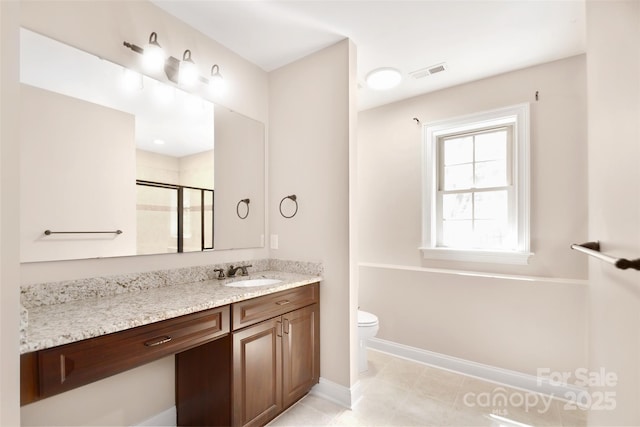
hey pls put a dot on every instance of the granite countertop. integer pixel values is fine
(53, 325)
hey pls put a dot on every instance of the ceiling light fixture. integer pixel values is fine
(153, 56)
(383, 78)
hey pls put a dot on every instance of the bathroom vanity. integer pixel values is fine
(242, 355)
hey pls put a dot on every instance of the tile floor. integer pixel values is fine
(398, 392)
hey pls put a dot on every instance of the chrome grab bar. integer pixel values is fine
(593, 249)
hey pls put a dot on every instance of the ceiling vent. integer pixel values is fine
(424, 72)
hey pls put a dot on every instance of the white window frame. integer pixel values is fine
(516, 116)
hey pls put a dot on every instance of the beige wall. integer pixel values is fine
(100, 27)
(390, 167)
(60, 193)
(239, 174)
(354, 271)
(511, 324)
(115, 401)
(157, 167)
(9, 200)
(309, 149)
(196, 170)
(518, 325)
(613, 76)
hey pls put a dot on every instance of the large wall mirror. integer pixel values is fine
(115, 163)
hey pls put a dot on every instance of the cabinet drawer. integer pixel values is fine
(72, 365)
(252, 311)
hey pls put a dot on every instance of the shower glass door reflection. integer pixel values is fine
(197, 208)
(173, 218)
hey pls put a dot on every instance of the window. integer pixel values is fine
(476, 187)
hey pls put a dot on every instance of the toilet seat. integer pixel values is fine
(367, 319)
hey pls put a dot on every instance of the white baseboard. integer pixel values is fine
(485, 372)
(337, 393)
(167, 418)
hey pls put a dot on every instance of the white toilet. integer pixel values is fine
(367, 328)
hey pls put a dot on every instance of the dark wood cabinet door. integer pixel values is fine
(257, 373)
(203, 384)
(300, 352)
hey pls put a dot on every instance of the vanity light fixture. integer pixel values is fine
(216, 82)
(180, 72)
(383, 78)
(188, 71)
(153, 56)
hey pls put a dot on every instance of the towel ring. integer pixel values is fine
(292, 198)
(246, 202)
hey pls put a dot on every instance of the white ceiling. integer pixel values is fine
(475, 38)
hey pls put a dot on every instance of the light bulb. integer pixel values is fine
(188, 71)
(216, 82)
(153, 57)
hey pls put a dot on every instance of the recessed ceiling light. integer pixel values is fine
(158, 141)
(384, 78)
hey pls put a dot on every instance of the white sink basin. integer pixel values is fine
(250, 283)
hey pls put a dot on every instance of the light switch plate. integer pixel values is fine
(274, 241)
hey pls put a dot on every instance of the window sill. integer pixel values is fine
(471, 255)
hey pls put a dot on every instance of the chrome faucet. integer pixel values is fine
(243, 270)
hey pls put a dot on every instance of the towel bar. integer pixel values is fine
(593, 249)
(49, 232)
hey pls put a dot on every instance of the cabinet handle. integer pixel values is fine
(283, 302)
(157, 341)
(279, 328)
(66, 367)
(286, 326)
